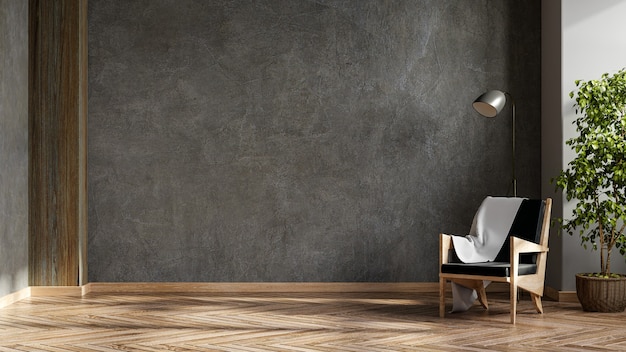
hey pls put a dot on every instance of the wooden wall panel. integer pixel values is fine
(57, 117)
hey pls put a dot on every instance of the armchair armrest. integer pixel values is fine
(519, 245)
(531, 283)
(445, 244)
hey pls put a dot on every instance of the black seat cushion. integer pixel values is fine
(499, 269)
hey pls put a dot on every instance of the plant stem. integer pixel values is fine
(602, 242)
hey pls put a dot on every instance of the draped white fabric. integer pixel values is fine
(489, 230)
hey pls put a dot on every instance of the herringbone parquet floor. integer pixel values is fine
(298, 322)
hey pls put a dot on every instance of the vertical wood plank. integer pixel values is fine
(56, 120)
(82, 139)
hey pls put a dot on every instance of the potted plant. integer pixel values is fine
(596, 180)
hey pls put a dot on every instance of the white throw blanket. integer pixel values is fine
(489, 230)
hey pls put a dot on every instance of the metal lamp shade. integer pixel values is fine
(490, 103)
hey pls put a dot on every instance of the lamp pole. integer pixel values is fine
(514, 181)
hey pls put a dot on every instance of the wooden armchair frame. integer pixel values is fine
(533, 283)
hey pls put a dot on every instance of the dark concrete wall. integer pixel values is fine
(13, 145)
(300, 140)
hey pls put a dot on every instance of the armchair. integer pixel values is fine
(520, 262)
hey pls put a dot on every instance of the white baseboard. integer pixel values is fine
(560, 296)
(287, 287)
(15, 297)
(251, 287)
(51, 291)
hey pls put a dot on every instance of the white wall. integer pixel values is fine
(592, 42)
(13, 146)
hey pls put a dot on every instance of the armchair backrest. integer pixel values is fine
(527, 225)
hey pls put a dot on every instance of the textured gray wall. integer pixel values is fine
(13, 145)
(300, 140)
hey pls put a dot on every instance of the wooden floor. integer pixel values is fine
(298, 322)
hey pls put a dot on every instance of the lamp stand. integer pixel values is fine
(514, 180)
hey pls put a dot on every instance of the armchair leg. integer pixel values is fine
(478, 286)
(537, 301)
(442, 297)
(482, 295)
(513, 290)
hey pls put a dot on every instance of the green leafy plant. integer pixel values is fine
(596, 177)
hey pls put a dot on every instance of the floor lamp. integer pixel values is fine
(489, 104)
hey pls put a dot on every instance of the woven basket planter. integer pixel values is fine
(601, 295)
